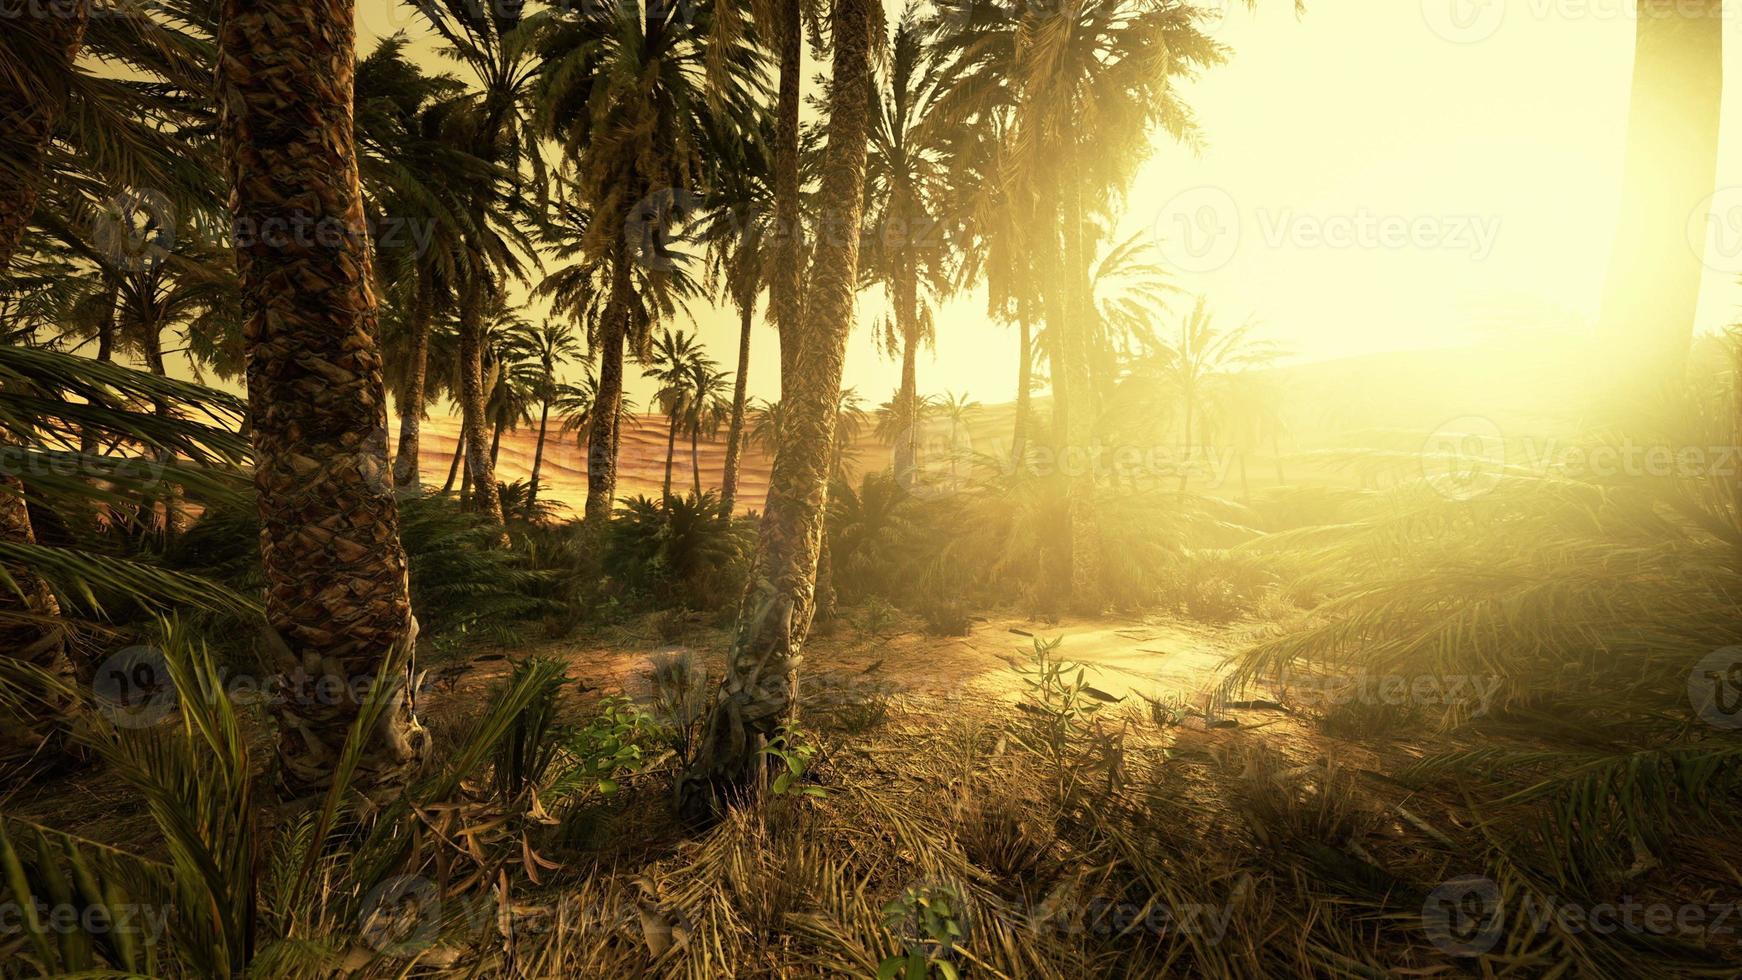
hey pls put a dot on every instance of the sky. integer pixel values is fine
(1375, 175)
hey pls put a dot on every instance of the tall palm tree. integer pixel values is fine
(498, 48)
(738, 228)
(905, 173)
(416, 166)
(705, 409)
(553, 344)
(669, 363)
(337, 596)
(758, 691)
(633, 94)
(1080, 88)
(1653, 286)
(1204, 356)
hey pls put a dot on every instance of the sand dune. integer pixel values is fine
(641, 468)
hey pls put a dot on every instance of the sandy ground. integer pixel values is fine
(1158, 658)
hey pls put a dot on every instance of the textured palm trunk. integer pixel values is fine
(89, 438)
(1652, 291)
(670, 457)
(602, 439)
(1079, 429)
(907, 399)
(174, 519)
(786, 290)
(27, 119)
(405, 461)
(696, 459)
(454, 463)
(336, 596)
(758, 691)
(1024, 381)
(735, 427)
(538, 455)
(474, 394)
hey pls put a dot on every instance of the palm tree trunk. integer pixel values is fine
(670, 456)
(696, 459)
(497, 428)
(89, 437)
(786, 290)
(1079, 435)
(173, 518)
(607, 402)
(538, 453)
(1653, 287)
(1024, 381)
(907, 400)
(735, 428)
(405, 474)
(758, 692)
(27, 118)
(337, 596)
(480, 465)
(454, 464)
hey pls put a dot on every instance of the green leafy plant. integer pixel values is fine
(794, 749)
(598, 755)
(929, 912)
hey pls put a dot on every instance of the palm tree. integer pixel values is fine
(575, 404)
(33, 95)
(633, 95)
(416, 166)
(498, 48)
(670, 362)
(337, 597)
(1078, 89)
(738, 228)
(757, 694)
(705, 410)
(553, 344)
(905, 174)
(1205, 356)
(1653, 286)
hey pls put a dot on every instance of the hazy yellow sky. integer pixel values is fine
(1377, 175)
